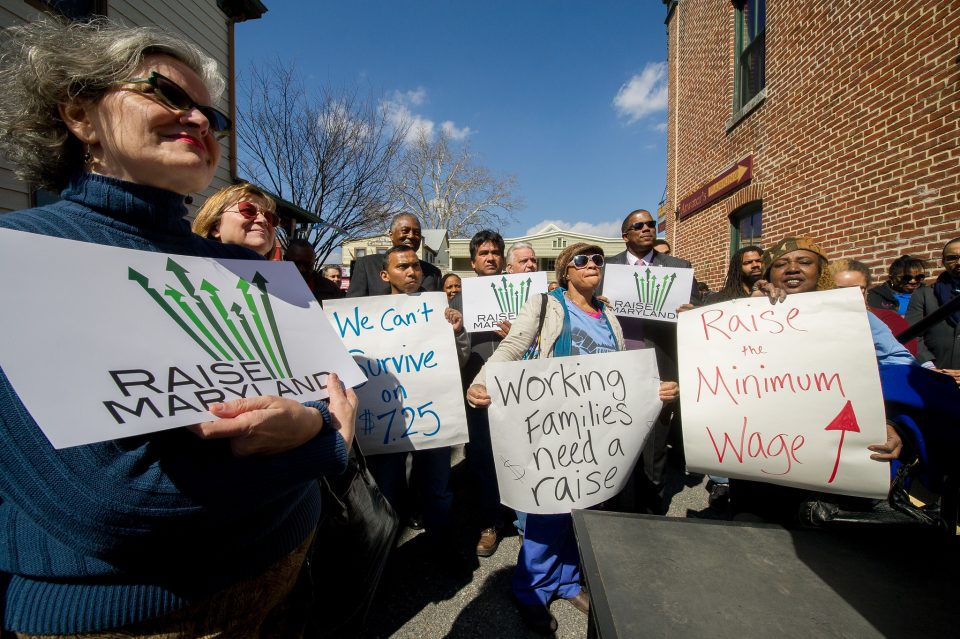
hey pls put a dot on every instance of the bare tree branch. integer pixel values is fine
(329, 152)
(450, 191)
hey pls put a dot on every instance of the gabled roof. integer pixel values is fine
(433, 238)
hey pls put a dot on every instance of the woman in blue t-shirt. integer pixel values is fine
(575, 322)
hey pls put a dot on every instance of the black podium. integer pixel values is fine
(657, 577)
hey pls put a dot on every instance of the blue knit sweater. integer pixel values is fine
(99, 536)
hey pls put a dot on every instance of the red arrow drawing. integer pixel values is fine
(845, 420)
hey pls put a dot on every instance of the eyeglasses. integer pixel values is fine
(250, 211)
(914, 278)
(169, 93)
(636, 226)
(580, 261)
(950, 259)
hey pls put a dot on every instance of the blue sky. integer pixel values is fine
(567, 95)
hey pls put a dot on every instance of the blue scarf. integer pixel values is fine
(564, 344)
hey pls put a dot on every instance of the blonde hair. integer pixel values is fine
(209, 216)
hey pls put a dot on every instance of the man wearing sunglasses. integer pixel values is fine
(365, 272)
(645, 491)
(940, 344)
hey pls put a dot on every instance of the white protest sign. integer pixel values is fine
(495, 298)
(104, 342)
(786, 393)
(650, 292)
(405, 346)
(567, 431)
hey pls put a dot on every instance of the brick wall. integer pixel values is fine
(857, 143)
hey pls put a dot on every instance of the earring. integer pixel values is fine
(188, 199)
(87, 156)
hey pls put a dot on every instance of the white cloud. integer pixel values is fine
(416, 97)
(399, 114)
(644, 93)
(660, 126)
(454, 132)
(602, 229)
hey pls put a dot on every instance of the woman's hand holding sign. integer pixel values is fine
(269, 425)
(669, 392)
(890, 449)
(477, 395)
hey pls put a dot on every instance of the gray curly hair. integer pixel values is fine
(50, 62)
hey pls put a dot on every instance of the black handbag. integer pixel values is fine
(354, 538)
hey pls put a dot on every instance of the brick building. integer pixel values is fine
(839, 120)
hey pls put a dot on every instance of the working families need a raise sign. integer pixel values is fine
(104, 342)
(405, 346)
(496, 298)
(567, 431)
(650, 292)
(786, 393)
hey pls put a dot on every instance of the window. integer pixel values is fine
(749, 77)
(358, 253)
(382, 250)
(560, 243)
(746, 226)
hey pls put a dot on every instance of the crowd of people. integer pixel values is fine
(205, 531)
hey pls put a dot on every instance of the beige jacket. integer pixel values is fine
(524, 330)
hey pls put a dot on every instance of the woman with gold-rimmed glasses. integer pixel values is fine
(240, 214)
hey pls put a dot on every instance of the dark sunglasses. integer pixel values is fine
(169, 93)
(913, 278)
(580, 261)
(636, 226)
(250, 211)
(950, 259)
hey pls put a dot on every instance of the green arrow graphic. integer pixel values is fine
(496, 295)
(237, 310)
(244, 286)
(213, 291)
(177, 297)
(181, 273)
(261, 283)
(145, 283)
(666, 290)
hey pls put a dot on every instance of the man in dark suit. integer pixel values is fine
(486, 258)
(639, 231)
(365, 274)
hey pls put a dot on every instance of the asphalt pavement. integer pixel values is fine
(469, 596)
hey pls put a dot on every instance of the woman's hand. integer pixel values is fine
(890, 449)
(763, 288)
(669, 392)
(270, 425)
(342, 404)
(477, 395)
(503, 328)
(685, 307)
(455, 318)
(955, 374)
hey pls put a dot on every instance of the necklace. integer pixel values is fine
(588, 308)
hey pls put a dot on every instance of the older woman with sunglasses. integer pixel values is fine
(185, 532)
(576, 322)
(240, 214)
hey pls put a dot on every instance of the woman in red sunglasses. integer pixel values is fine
(240, 214)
